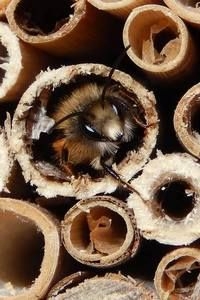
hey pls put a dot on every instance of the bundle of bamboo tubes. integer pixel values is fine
(99, 150)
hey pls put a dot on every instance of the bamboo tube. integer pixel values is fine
(176, 275)
(186, 9)
(3, 6)
(31, 119)
(186, 120)
(19, 64)
(120, 8)
(77, 30)
(110, 286)
(169, 208)
(30, 250)
(160, 43)
(100, 232)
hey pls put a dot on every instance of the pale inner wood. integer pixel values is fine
(44, 17)
(180, 276)
(154, 37)
(99, 231)
(21, 252)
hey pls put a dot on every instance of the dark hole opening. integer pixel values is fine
(187, 279)
(21, 251)
(162, 38)
(42, 149)
(176, 199)
(43, 17)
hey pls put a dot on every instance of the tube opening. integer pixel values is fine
(101, 231)
(180, 276)
(44, 17)
(175, 199)
(4, 58)
(154, 37)
(70, 149)
(21, 253)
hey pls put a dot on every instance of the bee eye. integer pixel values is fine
(115, 109)
(90, 131)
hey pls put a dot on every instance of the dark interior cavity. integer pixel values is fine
(184, 271)
(42, 149)
(44, 17)
(175, 199)
(153, 36)
(110, 241)
(4, 57)
(21, 251)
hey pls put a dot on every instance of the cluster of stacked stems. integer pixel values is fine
(99, 149)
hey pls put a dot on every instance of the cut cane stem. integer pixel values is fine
(177, 274)
(30, 250)
(97, 233)
(186, 120)
(160, 43)
(31, 118)
(168, 210)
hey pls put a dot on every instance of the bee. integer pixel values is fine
(92, 122)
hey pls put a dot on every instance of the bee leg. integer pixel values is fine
(115, 175)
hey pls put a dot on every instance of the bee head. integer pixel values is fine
(103, 123)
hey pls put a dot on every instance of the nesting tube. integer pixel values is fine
(177, 275)
(169, 208)
(188, 10)
(100, 232)
(19, 64)
(186, 120)
(109, 286)
(33, 116)
(120, 8)
(30, 250)
(72, 28)
(160, 42)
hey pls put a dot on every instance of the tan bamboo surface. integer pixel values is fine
(30, 250)
(111, 286)
(176, 275)
(77, 29)
(101, 232)
(188, 10)
(160, 43)
(121, 8)
(43, 174)
(186, 109)
(19, 64)
(168, 221)
(3, 6)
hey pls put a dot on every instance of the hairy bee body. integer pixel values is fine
(99, 130)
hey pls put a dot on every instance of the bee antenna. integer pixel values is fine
(75, 114)
(115, 65)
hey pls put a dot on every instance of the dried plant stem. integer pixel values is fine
(100, 232)
(30, 250)
(160, 43)
(168, 210)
